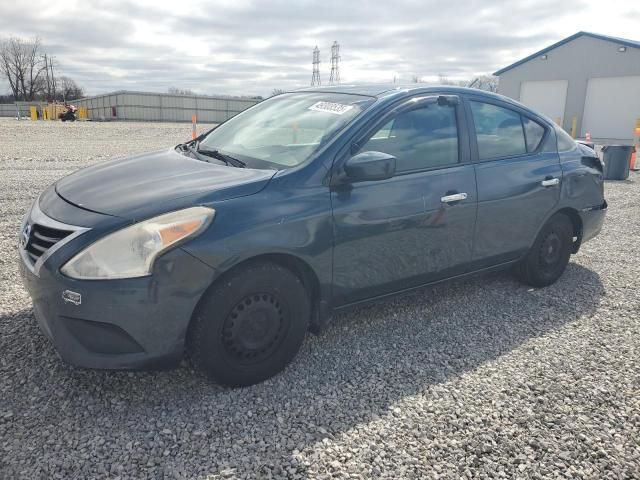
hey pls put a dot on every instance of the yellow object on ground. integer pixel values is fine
(33, 111)
(55, 109)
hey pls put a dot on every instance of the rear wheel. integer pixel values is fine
(250, 325)
(549, 255)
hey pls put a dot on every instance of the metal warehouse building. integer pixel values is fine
(163, 107)
(586, 83)
(146, 106)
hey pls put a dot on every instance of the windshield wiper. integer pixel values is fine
(188, 148)
(228, 159)
(193, 147)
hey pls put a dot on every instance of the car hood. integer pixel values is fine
(121, 187)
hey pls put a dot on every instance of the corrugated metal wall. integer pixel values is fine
(155, 107)
(9, 109)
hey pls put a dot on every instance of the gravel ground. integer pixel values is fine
(482, 378)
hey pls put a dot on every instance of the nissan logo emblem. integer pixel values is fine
(26, 233)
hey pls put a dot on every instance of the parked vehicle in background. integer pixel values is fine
(234, 245)
(69, 115)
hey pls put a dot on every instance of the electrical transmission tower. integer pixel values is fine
(334, 78)
(315, 77)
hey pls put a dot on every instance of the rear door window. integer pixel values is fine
(499, 131)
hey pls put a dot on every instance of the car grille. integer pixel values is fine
(41, 239)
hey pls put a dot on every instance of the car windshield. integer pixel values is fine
(285, 130)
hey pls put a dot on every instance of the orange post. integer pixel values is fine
(634, 164)
(194, 127)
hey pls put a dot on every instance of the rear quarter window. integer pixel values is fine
(533, 132)
(565, 142)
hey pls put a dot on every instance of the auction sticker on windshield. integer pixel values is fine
(330, 107)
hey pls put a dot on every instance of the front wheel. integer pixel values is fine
(250, 325)
(549, 255)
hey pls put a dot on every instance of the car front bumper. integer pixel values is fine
(120, 324)
(114, 324)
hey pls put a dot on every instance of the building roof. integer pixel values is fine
(607, 38)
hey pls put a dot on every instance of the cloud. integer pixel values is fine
(252, 47)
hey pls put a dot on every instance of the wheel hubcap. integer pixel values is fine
(551, 249)
(253, 328)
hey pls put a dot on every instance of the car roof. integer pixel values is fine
(371, 90)
(388, 90)
(380, 90)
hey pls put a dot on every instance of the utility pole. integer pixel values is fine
(53, 78)
(315, 77)
(334, 78)
(46, 69)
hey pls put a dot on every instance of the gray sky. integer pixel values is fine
(252, 47)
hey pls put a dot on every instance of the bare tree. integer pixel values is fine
(179, 91)
(485, 82)
(416, 79)
(276, 91)
(444, 79)
(69, 88)
(22, 66)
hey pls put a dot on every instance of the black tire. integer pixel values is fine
(549, 255)
(249, 325)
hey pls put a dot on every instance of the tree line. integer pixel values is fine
(29, 72)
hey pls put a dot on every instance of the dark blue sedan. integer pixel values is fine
(232, 246)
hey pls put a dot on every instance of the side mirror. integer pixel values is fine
(370, 166)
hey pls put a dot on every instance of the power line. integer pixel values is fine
(315, 77)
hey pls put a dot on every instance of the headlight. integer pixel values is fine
(130, 252)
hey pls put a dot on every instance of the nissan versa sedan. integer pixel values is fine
(232, 246)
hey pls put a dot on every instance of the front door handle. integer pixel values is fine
(456, 197)
(550, 182)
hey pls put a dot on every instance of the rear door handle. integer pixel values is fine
(550, 182)
(456, 197)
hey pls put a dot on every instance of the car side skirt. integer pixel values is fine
(494, 268)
